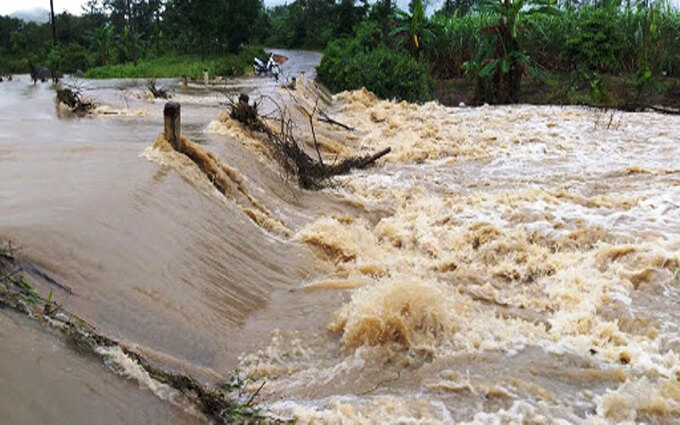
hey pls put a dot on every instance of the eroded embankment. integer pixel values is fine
(525, 268)
(218, 405)
(205, 171)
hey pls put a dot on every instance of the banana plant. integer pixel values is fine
(509, 62)
(415, 28)
(102, 43)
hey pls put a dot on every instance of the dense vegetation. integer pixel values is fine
(494, 43)
(495, 47)
(112, 32)
(173, 65)
(370, 59)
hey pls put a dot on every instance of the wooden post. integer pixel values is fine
(171, 112)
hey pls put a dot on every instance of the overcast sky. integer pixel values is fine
(74, 6)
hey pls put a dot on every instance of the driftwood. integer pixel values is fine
(311, 173)
(73, 99)
(325, 118)
(632, 107)
(663, 110)
(158, 93)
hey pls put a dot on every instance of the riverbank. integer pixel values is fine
(563, 89)
(175, 66)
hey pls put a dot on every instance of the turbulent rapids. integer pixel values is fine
(511, 264)
(520, 265)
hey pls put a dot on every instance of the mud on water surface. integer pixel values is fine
(502, 265)
(525, 268)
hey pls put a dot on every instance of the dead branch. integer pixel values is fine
(663, 110)
(157, 93)
(310, 116)
(73, 99)
(312, 173)
(325, 118)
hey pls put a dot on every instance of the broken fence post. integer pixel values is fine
(171, 112)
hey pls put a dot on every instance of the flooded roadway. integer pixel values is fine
(501, 265)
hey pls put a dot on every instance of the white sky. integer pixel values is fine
(74, 6)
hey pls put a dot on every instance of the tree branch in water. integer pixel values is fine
(312, 173)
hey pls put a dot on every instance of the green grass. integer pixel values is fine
(171, 66)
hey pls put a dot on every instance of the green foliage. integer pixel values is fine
(414, 29)
(508, 61)
(365, 61)
(236, 389)
(68, 59)
(501, 40)
(210, 26)
(111, 33)
(459, 40)
(596, 43)
(465, 38)
(178, 65)
(312, 24)
(11, 277)
(599, 94)
(102, 45)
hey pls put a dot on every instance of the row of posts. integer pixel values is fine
(172, 115)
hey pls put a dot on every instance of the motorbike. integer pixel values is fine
(270, 67)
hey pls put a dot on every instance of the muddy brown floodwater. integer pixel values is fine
(510, 264)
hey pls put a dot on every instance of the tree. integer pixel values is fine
(102, 43)
(461, 7)
(415, 28)
(349, 15)
(510, 61)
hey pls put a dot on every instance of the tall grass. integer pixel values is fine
(466, 38)
(179, 65)
(460, 40)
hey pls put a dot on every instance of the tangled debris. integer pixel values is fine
(157, 93)
(73, 99)
(311, 173)
(221, 405)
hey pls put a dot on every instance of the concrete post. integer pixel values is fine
(171, 112)
(206, 77)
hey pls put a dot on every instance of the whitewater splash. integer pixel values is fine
(524, 267)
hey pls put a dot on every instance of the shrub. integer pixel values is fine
(597, 43)
(68, 59)
(364, 61)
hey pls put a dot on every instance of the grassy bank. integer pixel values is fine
(170, 66)
(563, 89)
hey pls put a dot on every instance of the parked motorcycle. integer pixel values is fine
(271, 67)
